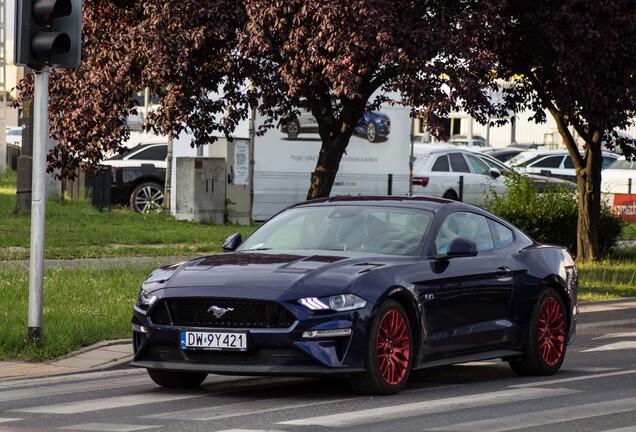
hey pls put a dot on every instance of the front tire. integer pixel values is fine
(146, 197)
(546, 341)
(372, 132)
(389, 357)
(176, 379)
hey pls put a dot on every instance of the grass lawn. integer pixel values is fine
(81, 307)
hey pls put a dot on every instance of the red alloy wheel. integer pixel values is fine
(551, 331)
(394, 347)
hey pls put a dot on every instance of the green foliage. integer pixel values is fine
(551, 215)
(75, 229)
(81, 307)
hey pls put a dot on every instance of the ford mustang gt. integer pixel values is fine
(365, 288)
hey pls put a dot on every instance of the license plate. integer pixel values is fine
(213, 340)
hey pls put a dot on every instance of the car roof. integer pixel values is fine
(418, 202)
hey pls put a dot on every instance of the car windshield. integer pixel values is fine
(373, 229)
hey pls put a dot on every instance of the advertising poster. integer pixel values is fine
(376, 161)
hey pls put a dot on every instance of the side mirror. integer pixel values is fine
(232, 242)
(495, 173)
(461, 247)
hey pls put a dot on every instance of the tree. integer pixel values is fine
(334, 58)
(338, 59)
(577, 60)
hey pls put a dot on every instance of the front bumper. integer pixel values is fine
(282, 352)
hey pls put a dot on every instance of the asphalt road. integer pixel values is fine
(594, 391)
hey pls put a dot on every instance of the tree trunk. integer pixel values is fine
(589, 196)
(324, 175)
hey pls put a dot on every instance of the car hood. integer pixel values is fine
(242, 273)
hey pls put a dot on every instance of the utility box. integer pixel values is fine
(200, 189)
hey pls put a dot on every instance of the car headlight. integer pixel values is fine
(338, 303)
(145, 299)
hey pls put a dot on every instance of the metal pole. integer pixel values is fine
(38, 200)
(461, 188)
(168, 184)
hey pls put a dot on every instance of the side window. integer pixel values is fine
(478, 166)
(549, 162)
(441, 164)
(467, 225)
(458, 163)
(503, 235)
(568, 163)
(158, 153)
(607, 161)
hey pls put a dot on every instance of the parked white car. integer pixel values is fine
(437, 171)
(14, 136)
(620, 177)
(553, 163)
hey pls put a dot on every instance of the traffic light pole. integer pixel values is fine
(38, 201)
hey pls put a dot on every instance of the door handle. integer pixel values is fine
(503, 271)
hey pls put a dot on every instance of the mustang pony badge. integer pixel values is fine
(219, 311)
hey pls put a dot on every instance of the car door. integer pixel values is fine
(485, 181)
(467, 310)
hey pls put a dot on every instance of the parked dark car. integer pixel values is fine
(138, 176)
(367, 288)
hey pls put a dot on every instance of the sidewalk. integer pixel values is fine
(118, 353)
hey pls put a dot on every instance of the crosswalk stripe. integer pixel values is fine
(30, 382)
(72, 388)
(613, 347)
(108, 403)
(241, 409)
(543, 418)
(7, 420)
(616, 335)
(108, 427)
(428, 407)
(570, 380)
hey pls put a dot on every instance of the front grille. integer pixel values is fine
(199, 312)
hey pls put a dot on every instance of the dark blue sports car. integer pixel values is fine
(368, 288)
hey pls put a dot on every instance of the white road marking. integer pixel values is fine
(613, 347)
(354, 418)
(108, 427)
(543, 418)
(616, 335)
(574, 379)
(73, 388)
(241, 409)
(7, 420)
(109, 403)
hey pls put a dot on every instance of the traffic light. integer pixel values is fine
(48, 33)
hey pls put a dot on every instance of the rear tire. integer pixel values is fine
(546, 341)
(389, 357)
(173, 379)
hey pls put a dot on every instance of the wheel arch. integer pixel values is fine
(406, 299)
(555, 282)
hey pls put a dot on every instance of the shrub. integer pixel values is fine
(549, 215)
